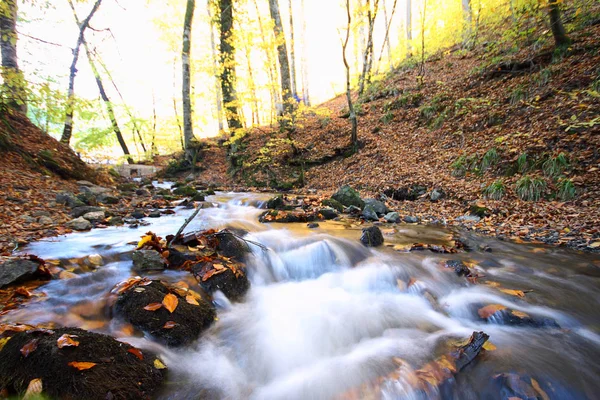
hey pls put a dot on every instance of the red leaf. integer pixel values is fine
(29, 347)
(169, 325)
(81, 365)
(136, 352)
(153, 306)
(67, 340)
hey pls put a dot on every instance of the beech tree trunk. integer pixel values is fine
(68, 128)
(292, 51)
(14, 81)
(354, 134)
(558, 29)
(215, 64)
(304, 61)
(284, 66)
(365, 76)
(408, 28)
(227, 58)
(188, 126)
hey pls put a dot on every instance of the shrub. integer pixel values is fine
(555, 166)
(523, 163)
(495, 191)
(565, 189)
(530, 188)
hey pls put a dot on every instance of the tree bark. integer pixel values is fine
(365, 76)
(215, 65)
(292, 52)
(386, 40)
(354, 134)
(12, 76)
(558, 29)
(68, 128)
(284, 66)
(303, 61)
(227, 58)
(409, 28)
(188, 126)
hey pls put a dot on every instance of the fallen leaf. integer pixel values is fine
(519, 314)
(489, 346)
(23, 292)
(67, 275)
(489, 310)
(153, 306)
(81, 365)
(518, 293)
(3, 341)
(67, 341)
(170, 302)
(136, 352)
(34, 389)
(594, 245)
(539, 390)
(145, 239)
(169, 325)
(191, 300)
(159, 365)
(29, 347)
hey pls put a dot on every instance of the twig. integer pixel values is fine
(187, 221)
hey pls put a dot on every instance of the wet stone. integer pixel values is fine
(347, 196)
(410, 219)
(116, 373)
(79, 224)
(369, 213)
(15, 271)
(81, 211)
(329, 213)
(147, 260)
(95, 216)
(312, 225)
(186, 322)
(392, 217)
(459, 267)
(371, 237)
(233, 287)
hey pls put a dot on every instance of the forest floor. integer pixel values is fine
(527, 108)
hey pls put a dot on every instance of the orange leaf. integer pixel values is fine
(169, 325)
(67, 340)
(518, 293)
(153, 306)
(489, 310)
(191, 300)
(81, 365)
(29, 347)
(170, 302)
(136, 352)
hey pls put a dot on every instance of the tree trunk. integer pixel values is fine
(284, 66)
(365, 76)
(188, 126)
(68, 128)
(409, 28)
(354, 135)
(104, 96)
(215, 65)
(558, 29)
(14, 81)
(386, 40)
(227, 58)
(292, 51)
(303, 61)
(177, 120)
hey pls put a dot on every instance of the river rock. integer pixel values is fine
(119, 371)
(199, 197)
(85, 183)
(81, 211)
(392, 217)
(312, 225)
(329, 213)
(372, 237)
(230, 245)
(69, 199)
(276, 203)
(352, 210)
(369, 213)
(188, 321)
(378, 206)
(154, 214)
(233, 287)
(95, 216)
(142, 192)
(406, 193)
(18, 270)
(459, 267)
(185, 191)
(43, 220)
(138, 214)
(410, 219)
(147, 260)
(94, 190)
(348, 197)
(436, 194)
(107, 199)
(79, 224)
(468, 218)
(336, 205)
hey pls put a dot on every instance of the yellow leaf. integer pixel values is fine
(518, 293)
(191, 300)
(3, 341)
(145, 239)
(489, 310)
(519, 314)
(159, 365)
(595, 245)
(539, 390)
(489, 346)
(82, 365)
(34, 389)
(170, 302)
(67, 341)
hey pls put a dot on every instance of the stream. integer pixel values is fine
(325, 314)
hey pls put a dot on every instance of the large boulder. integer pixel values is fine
(229, 278)
(276, 203)
(18, 270)
(372, 237)
(75, 364)
(69, 199)
(189, 318)
(348, 197)
(336, 205)
(230, 245)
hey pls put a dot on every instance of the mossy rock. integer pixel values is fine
(347, 196)
(185, 191)
(333, 204)
(119, 371)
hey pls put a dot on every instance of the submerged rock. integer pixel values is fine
(98, 367)
(459, 267)
(372, 237)
(182, 326)
(348, 197)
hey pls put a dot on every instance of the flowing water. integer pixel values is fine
(325, 314)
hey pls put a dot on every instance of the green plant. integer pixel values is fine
(544, 77)
(387, 118)
(517, 94)
(523, 163)
(530, 188)
(459, 166)
(490, 158)
(495, 191)
(565, 189)
(555, 166)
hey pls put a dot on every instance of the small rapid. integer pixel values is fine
(325, 314)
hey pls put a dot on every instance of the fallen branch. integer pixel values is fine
(185, 224)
